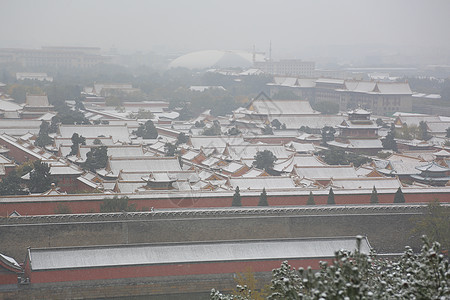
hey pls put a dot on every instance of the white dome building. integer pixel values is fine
(215, 59)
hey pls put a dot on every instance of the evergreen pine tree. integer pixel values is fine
(263, 198)
(311, 199)
(330, 199)
(236, 198)
(399, 197)
(97, 158)
(374, 196)
(40, 180)
(43, 138)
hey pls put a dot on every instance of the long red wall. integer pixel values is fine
(104, 273)
(40, 207)
(8, 278)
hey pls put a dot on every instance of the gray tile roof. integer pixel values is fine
(179, 253)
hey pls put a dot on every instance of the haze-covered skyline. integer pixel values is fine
(296, 29)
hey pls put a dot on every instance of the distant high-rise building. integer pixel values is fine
(287, 67)
(78, 57)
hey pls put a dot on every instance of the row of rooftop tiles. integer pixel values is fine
(219, 212)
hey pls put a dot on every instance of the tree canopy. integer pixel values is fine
(328, 134)
(340, 157)
(40, 180)
(327, 107)
(399, 197)
(116, 204)
(330, 199)
(435, 223)
(11, 184)
(374, 196)
(264, 160)
(96, 158)
(43, 138)
(215, 129)
(389, 142)
(147, 130)
(310, 199)
(263, 198)
(236, 198)
(76, 141)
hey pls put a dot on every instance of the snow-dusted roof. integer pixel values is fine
(293, 82)
(8, 125)
(190, 154)
(282, 107)
(56, 169)
(301, 147)
(119, 86)
(30, 149)
(359, 111)
(5, 161)
(432, 167)
(113, 150)
(143, 164)
(202, 88)
(237, 152)
(316, 121)
(297, 160)
(216, 141)
(326, 172)
(358, 144)
(442, 153)
(416, 119)
(118, 133)
(253, 172)
(180, 253)
(59, 141)
(129, 187)
(366, 183)
(37, 101)
(9, 105)
(258, 183)
(438, 127)
(232, 167)
(394, 88)
(360, 86)
(10, 262)
(358, 124)
(210, 161)
(330, 80)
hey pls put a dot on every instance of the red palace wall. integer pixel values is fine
(137, 271)
(16, 153)
(8, 278)
(40, 207)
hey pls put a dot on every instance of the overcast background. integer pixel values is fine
(297, 29)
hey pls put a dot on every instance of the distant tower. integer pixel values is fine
(254, 55)
(270, 51)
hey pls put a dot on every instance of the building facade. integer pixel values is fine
(287, 67)
(78, 57)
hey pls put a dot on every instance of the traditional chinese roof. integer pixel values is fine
(258, 183)
(432, 167)
(326, 172)
(182, 253)
(442, 153)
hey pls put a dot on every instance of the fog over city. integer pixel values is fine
(222, 150)
(297, 29)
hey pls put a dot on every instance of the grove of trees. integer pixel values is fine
(357, 275)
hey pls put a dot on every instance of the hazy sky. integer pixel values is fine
(186, 25)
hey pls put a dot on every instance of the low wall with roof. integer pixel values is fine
(388, 229)
(45, 205)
